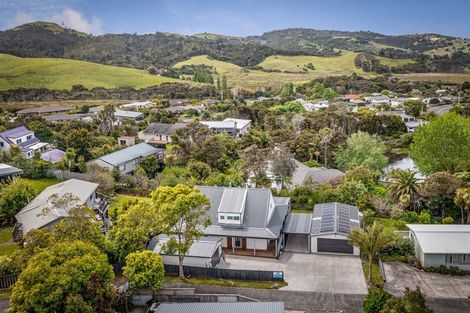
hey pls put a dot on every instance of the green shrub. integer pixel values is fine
(448, 220)
(375, 301)
(397, 250)
(442, 269)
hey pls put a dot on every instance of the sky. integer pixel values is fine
(243, 17)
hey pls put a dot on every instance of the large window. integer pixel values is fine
(237, 242)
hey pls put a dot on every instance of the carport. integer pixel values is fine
(297, 230)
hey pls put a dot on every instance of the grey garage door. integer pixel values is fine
(334, 246)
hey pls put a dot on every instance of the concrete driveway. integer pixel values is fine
(400, 275)
(309, 272)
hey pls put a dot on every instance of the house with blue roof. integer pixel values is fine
(24, 138)
(127, 160)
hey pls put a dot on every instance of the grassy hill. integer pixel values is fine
(291, 68)
(55, 73)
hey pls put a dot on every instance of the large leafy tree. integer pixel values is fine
(404, 186)
(443, 144)
(106, 119)
(145, 269)
(15, 195)
(182, 211)
(370, 240)
(414, 107)
(462, 200)
(439, 189)
(362, 149)
(66, 271)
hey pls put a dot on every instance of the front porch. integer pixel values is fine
(239, 246)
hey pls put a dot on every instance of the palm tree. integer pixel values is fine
(370, 240)
(326, 135)
(404, 183)
(462, 200)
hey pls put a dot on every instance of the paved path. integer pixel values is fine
(400, 275)
(310, 272)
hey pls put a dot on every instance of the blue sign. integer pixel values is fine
(278, 275)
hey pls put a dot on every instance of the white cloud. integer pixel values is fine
(68, 17)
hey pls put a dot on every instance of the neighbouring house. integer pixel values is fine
(249, 220)
(441, 244)
(160, 133)
(40, 212)
(8, 171)
(127, 159)
(313, 175)
(205, 252)
(126, 141)
(331, 225)
(377, 99)
(219, 307)
(177, 102)
(181, 109)
(53, 156)
(232, 126)
(122, 116)
(24, 138)
(411, 122)
(62, 117)
(135, 106)
(45, 110)
(396, 102)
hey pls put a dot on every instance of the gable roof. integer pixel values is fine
(298, 223)
(240, 123)
(221, 307)
(14, 133)
(53, 156)
(46, 109)
(7, 170)
(140, 150)
(318, 175)
(128, 114)
(32, 217)
(163, 128)
(258, 222)
(334, 218)
(442, 238)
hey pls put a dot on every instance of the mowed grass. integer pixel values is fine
(7, 246)
(436, 77)
(291, 68)
(42, 183)
(56, 73)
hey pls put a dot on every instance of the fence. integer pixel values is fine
(7, 281)
(226, 273)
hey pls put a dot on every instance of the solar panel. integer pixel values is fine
(315, 227)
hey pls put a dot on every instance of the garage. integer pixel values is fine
(334, 246)
(331, 225)
(297, 230)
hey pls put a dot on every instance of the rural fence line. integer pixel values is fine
(252, 275)
(8, 280)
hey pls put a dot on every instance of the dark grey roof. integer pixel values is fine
(233, 200)
(163, 129)
(46, 109)
(219, 307)
(7, 170)
(317, 175)
(59, 117)
(298, 223)
(14, 133)
(259, 220)
(334, 217)
(140, 150)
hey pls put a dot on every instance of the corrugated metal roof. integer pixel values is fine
(163, 129)
(317, 175)
(233, 200)
(335, 218)
(7, 170)
(257, 222)
(32, 215)
(202, 248)
(15, 133)
(441, 238)
(218, 307)
(128, 114)
(298, 223)
(219, 124)
(130, 153)
(241, 123)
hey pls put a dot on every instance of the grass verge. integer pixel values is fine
(376, 276)
(226, 282)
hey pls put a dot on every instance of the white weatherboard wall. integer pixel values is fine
(314, 242)
(257, 244)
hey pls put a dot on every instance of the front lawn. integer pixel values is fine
(226, 282)
(7, 246)
(389, 224)
(118, 199)
(42, 183)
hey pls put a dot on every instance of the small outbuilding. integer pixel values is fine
(7, 171)
(331, 225)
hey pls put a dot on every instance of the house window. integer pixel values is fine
(464, 257)
(122, 167)
(230, 218)
(236, 218)
(29, 154)
(222, 217)
(237, 242)
(135, 162)
(1, 144)
(18, 141)
(29, 137)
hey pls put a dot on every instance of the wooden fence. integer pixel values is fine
(251, 275)
(7, 281)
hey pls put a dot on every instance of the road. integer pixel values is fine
(440, 110)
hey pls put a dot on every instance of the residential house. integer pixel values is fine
(177, 102)
(24, 138)
(41, 213)
(397, 102)
(126, 141)
(441, 244)
(232, 126)
(313, 175)
(122, 116)
(205, 252)
(249, 220)
(45, 110)
(181, 109)
(219, 307)
(411, 122)
(127, 159)
(53, 156)
(160, 133)
(62, 117)
(376, 99)
(8, 171)
(135, 106)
